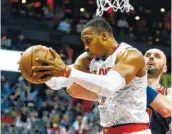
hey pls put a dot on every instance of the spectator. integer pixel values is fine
(55, 123)
(70, 52)
(48, 128)
(23, 121)
(131, 34)
(20, 43)
(6, 118)
(86, 122)
(76, 126)
(6, 42)
(122, 23)
(65, 121)
(142, 30)
(80, 25)
(166, 33)
(47, 13)
(64, 25)
(123, 27)
(66, 53)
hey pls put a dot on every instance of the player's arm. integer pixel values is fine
(74, 90)
(80, 92)
(162, 105)
(159, 102)
(57, 83)
(129, 63)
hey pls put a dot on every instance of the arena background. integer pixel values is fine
(35, 109)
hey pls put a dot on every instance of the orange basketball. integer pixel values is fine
(28, 59)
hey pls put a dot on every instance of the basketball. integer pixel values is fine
(28, 60)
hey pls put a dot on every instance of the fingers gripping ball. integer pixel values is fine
(28, 59)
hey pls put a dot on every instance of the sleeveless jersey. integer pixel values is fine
(127, 105)
(158, 124)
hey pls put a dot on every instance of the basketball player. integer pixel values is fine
(156, 66)
(111, 72)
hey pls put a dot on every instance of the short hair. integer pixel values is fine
(99, 25)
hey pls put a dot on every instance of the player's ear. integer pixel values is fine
(165, 69)
(104, 35)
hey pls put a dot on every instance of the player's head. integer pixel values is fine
(155, 62)
(96, 35)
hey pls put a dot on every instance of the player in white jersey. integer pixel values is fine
(112, 73)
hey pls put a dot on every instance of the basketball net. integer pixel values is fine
(104, 5)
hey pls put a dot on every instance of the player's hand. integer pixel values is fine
(49, 68)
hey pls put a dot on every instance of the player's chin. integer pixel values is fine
(150, 66)
(93, 56)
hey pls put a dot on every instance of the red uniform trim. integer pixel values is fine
(126, 129)
(115, 48)
(162, 90)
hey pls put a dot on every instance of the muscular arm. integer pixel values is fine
(77, 91)
(80, 92)
(130, 64)
(162, 105)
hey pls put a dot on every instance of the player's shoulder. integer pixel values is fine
(131, 54)
(165, 91)
(84, 57)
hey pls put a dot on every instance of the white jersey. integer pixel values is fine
(127, 105)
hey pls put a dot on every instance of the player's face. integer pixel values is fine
(155, 61)
(94, 44)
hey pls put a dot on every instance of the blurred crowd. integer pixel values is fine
(28, 110)
(18, 44)
(142, 24)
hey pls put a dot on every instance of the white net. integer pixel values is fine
(104, 5)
